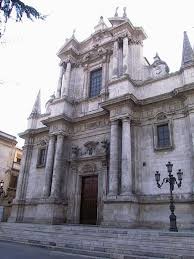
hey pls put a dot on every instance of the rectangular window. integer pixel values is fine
(41, 157)
(163, 135)
(95, 82)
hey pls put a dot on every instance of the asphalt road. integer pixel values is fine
(20, 251)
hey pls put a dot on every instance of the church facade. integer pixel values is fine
(114, 121)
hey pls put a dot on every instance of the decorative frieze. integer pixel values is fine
(91, 125)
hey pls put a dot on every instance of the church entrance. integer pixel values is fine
(89, 197)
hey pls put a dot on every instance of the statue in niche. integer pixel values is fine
(75, 151)
(91, 147)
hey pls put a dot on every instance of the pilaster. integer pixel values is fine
(115, 60)
(125, 56)
(66, 79)
(57, 170)
(49, 166)
(126, 169)
(59, 87)
(114, 159)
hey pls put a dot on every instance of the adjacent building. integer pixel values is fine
(10, 158)
(114, 121)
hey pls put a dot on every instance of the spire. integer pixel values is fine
(36, 110)
(187, 52)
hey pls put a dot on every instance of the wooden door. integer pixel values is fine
(89, 196)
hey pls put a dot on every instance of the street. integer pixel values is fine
(20, 251)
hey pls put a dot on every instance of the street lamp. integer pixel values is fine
(171, 180)
(1, 188)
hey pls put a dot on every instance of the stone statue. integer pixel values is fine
(124, 12)
(116, 12)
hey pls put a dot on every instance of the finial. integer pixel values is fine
(116, 12)
(124, 12)
(73, 34)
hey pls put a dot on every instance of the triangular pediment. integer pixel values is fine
(71, 44)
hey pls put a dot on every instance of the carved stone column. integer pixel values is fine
(126, 169)
(125, 56)
(114, 159)
(115, 60)
(49, 166)
(57, 170)
(66, 80)
(59, 87)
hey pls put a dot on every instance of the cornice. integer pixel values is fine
(176, 93)
(50, 120)
(90, 116)
(30, 132)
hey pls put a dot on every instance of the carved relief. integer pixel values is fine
(161, 116)
(88, 168)
(91, 125)
(42, 141)
(95, 53)
(91, 148)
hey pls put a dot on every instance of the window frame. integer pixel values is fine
(96, 69)
(39, 164)
(157, 147)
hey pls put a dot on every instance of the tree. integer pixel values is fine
(17, 10)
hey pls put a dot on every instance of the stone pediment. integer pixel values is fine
(72, 45)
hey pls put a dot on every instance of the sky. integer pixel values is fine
(28, 60)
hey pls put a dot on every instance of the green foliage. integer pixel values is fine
(17, 10)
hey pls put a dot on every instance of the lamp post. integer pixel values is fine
(1, 188)
(171, 180)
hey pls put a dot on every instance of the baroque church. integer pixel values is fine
(114, 121)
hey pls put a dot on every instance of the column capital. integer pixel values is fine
(114, 121)
(52, 136)
(60, 134)
(126, 119)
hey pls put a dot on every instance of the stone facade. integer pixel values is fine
(112, 135)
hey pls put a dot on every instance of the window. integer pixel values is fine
(41, 157)
(13, 181)
(163, 135)
(18, 160)
(95, 82)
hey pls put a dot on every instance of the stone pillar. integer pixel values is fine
(49, 166)
(114, 159)
(66, 80)
(59, 87)
(21, 174)
(58, 166)
(115, 60)
(125, 56)
(126, 169)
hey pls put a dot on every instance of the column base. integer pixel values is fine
(126, 194)
(51, 211)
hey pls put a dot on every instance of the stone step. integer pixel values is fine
(132, 234)
(126, 240)
(74, 245)
(105, 242)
